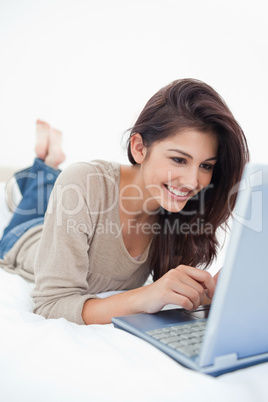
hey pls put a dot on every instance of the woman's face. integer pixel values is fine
(175, 169)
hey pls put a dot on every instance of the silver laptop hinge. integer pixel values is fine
(225, 361)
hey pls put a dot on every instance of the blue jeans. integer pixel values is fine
(35, 184)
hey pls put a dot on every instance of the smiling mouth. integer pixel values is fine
(176, 191)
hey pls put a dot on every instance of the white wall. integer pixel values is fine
(88, 67)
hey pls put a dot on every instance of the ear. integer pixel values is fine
(138, 149)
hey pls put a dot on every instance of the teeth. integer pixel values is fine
(176, 191)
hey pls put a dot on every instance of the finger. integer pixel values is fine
(180, 278)
(193, 289)
(216, 277)
(204, 278)
(177, 283)
(193, 292)
(182, 301)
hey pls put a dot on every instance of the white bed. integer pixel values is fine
(55, 360)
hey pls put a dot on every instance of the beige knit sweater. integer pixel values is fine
(79, 251)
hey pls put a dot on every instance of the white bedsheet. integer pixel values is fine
(55, 360)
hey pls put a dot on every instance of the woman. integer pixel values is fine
(107, 227)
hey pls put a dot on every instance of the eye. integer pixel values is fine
(179, 161)
(206, 166)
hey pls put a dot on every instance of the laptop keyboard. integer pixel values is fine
(185, 338)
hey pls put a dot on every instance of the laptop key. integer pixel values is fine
(188, 351)
(160, 336)
(186, 338)
(169, 340)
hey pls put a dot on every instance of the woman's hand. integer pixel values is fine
(184, 286)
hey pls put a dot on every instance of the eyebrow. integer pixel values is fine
(189, 156)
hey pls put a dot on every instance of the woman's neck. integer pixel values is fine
(135, 199)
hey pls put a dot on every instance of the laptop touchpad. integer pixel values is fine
(202, 312)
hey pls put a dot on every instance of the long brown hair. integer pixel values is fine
(189, 237)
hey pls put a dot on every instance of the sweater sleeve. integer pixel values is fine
(61, 264)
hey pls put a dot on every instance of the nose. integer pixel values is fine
(189, 179)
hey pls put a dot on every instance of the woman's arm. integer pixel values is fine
(185, 286)
(61, 264)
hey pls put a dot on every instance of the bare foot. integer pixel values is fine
(49, 144)
(55, 155)
(42, 139)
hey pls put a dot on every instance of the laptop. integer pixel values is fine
(232, 333)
